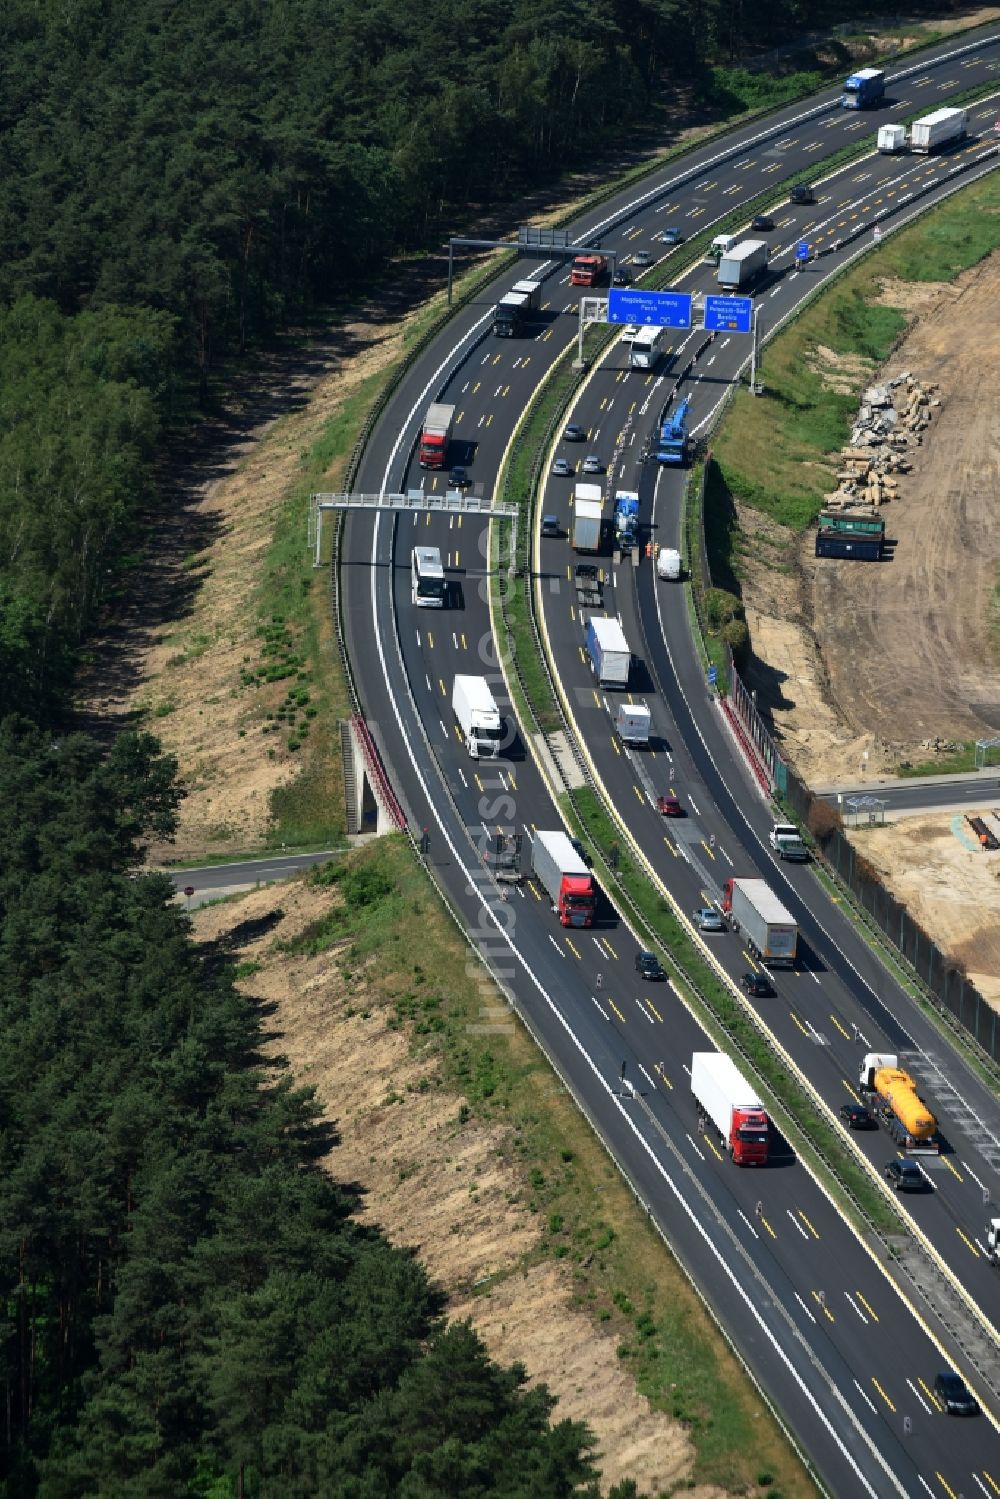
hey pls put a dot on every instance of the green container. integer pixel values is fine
(854, 525)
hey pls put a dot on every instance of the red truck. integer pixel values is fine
(435, 435)
(588, 270)
(725, 1097)
(564, 877)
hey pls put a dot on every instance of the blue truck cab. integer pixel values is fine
(864, 89)
(674, 443)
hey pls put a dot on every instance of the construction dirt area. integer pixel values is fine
(866, 665)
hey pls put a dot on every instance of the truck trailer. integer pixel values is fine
(632, 722)
(853, 525)
(478, 717)
(893, 1093)
(744, 264)
(674, 443)
(752, 909)
(938, 129)
(513, 313)
(864, 89)
(724, 1096)
(610, 657)
(564, 877)
(588, 518)
(891, 139)
(435, 435)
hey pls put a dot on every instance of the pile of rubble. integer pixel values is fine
(892, 420)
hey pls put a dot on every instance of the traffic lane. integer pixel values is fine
(246, 871)
(924, 796)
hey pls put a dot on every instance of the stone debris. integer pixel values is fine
(891, 420)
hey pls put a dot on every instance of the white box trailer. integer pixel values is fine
(752, 909)
(743, 264)
(938, 129)
(608, 650)
(478, 717)
(588, 517)
(632, 722)
(891, 139)
(725, 1097)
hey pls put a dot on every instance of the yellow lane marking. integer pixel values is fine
(883, 1394)
(569, 944)
(713, 1147)
(840, 1027)
(638, 793)
(798, 1022)
(650, 1006)
(618, 1012)
(946, 1486)
(616, 746)
(951, 1168)
(442, 687)
(658, 1069)
(808, 1225)
(968, 1243)
(868, 1309)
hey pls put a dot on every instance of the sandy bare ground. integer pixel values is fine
(860, 661)
(948, 884)
(454, 1192)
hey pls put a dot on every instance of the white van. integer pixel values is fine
(721, 245)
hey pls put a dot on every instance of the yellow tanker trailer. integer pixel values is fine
(902, 1111)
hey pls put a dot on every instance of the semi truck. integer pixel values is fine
(564, 877)
(894, 1097)
(626, 519)
(478, 717)
(834, 542)
(673, 443)
(610, 657)
(787, 844)
(435, 435)
(864, 89)
(632, 722)
(891, 139)
(724, 1096)
(752, 909)
(514, 311)
(588, 270)
(744, 264)
(938, 129)
(668, 563)
(588, 517)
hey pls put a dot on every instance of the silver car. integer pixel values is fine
(709, 920)
(592, 464)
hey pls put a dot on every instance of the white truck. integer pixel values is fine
(891, 139)
(721, 245)
(752, 909)
(741, 266)
(993, 1241)
(787, 844)
(588, 517)
(724, 1096)
(668, 563)
(477, 716)
(632, 722)
(938, 129)
(607, 648)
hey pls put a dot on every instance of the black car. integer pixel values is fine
(551, 526)
(762, 223)
(802, 193)
(458, 478)
(905, 1176)
(649, 966)
(623, 276)
(955, 1395)
(573, 432)
(757, 985)
(856, 1116)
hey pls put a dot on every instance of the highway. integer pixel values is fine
(803, 1299)
(923, 794)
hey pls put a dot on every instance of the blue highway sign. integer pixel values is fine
(650, 309)
(730, 314)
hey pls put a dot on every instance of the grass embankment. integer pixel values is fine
(777, 452)
(394, 929)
